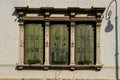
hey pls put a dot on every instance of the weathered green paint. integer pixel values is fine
(33, 42)
(84, 43)
(59, 47)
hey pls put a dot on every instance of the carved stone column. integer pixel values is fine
(98, 24)
(21, 43)
(47, 25)
(98, 44)
(21, 39)
(72, 44)
(72, 40)
(46, 43)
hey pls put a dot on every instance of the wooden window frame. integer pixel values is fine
(70, 14)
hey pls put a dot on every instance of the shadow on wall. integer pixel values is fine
(109, 28)
(15, 14)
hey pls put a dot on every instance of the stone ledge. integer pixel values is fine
(59, 67)
(49, 79)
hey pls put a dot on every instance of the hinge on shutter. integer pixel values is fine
(72, 44)
(46, 44)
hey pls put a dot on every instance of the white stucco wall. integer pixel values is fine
(9, 41)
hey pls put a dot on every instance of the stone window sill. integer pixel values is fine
(58, 67)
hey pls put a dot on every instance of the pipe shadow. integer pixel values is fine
(109, 28)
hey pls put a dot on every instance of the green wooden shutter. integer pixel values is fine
(34, 43)
(84, 44)
(59, 44)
